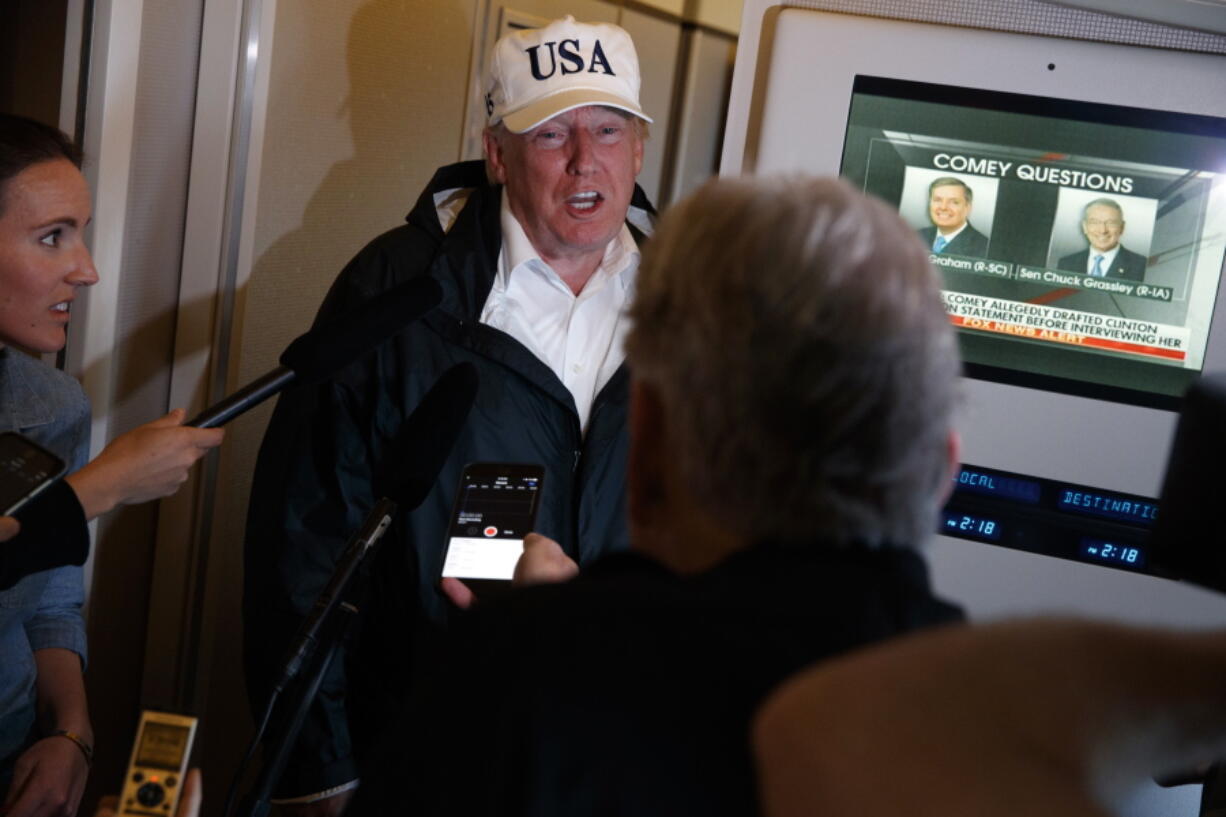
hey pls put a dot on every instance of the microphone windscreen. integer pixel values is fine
(427, 437)
(328, 347)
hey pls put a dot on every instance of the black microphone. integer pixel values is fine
(325, 349)
(425, 442)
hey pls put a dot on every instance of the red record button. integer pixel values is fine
(490, 531)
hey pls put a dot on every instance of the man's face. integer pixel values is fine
(569, 180)
(948, 207)
(1103, 225)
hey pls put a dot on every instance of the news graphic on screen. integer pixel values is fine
(1081, 244)
(495, 509)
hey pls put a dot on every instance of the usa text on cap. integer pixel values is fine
(538, 73)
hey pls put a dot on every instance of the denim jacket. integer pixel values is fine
(42, 610)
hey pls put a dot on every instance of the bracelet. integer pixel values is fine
(85, 748)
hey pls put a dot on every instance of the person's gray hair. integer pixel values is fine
(952, 181)
(795, 333)
(1103, 202)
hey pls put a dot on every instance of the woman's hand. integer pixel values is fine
(148, 462)
(8, 528)
(48, 780)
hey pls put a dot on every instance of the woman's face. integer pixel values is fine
(43, 258)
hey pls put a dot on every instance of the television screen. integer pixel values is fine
(1081, 244)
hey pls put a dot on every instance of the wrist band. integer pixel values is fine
(85, 748)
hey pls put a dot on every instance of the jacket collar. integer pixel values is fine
(23, 406)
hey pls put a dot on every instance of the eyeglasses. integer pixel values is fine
(1113, 223)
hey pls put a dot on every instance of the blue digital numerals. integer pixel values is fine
(968, 526)
(1100, 550)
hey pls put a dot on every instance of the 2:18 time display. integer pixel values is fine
(1102, 551)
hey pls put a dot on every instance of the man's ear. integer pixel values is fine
(646, 480)
(638, 152)
(493, 156)
(953, 456)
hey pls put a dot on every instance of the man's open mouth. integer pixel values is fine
(585, 200)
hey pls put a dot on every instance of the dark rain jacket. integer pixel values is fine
(332, 451)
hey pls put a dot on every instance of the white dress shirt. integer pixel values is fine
(1108, 259)
(580, 337)
(948, 238)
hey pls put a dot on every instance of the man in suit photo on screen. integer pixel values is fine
(1102, 223)
(949, 206)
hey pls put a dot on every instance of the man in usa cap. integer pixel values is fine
(536, 251)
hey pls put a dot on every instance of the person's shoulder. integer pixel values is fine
(1073, 261)
(615, 590)
(46, 382)
(813, 575)
(406, 251)
(973, 241)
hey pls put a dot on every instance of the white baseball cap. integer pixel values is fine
(538, 73)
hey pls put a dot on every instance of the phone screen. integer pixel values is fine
(495, 508)
(25, 469)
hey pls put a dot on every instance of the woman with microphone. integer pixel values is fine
(45, 735)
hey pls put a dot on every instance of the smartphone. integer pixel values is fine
(157, 765)
(26, 470)
(495, 508)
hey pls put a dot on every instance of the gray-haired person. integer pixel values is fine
(793, 379)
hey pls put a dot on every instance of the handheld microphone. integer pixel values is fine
(323, 350)
(421, 449)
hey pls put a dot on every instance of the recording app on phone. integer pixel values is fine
(495, 508)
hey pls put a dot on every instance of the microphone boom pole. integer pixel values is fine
(245, 398)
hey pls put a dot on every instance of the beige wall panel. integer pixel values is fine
(674, 7)
(703, 110)
(365, 100)
(657, 41)
(724, 15)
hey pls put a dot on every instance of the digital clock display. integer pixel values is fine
(1050, 517)
(1100, 550)
(965, 524)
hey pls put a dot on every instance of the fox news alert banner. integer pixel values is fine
(1022, 294)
